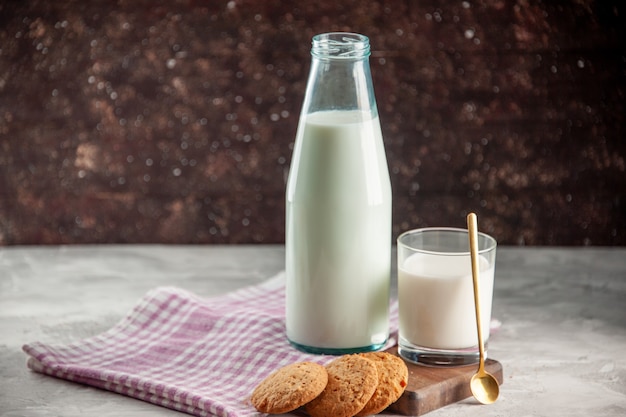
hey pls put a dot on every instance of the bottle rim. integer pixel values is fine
(340, 45)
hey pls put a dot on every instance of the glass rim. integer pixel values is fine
(340, 45)
(492, 243)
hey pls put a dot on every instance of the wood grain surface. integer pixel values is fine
(430, 388)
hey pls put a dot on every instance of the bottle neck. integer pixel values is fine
(340, 46)
(340, 76)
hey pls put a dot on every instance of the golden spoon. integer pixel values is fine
(484, 386)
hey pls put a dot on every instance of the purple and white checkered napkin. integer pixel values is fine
(202, 356)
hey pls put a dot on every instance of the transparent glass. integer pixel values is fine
(338, 207)
(340, 78)
(437, 319)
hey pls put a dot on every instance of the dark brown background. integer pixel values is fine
(140, 121)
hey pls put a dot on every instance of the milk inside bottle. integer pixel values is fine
(338, 208)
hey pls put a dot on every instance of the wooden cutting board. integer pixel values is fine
(430, 388)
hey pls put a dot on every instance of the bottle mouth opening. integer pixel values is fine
(340, 45)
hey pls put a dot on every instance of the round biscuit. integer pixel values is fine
(289, 387)
(352, 379)
(393, 376)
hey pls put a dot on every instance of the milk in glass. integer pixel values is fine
(436, 300)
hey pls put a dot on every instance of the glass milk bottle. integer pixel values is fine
(338, 223)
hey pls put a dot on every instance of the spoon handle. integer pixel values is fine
(472, 227)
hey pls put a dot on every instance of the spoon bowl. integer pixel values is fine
(483, 385)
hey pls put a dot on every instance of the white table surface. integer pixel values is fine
(562, 342)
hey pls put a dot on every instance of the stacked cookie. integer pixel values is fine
(351, 385)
